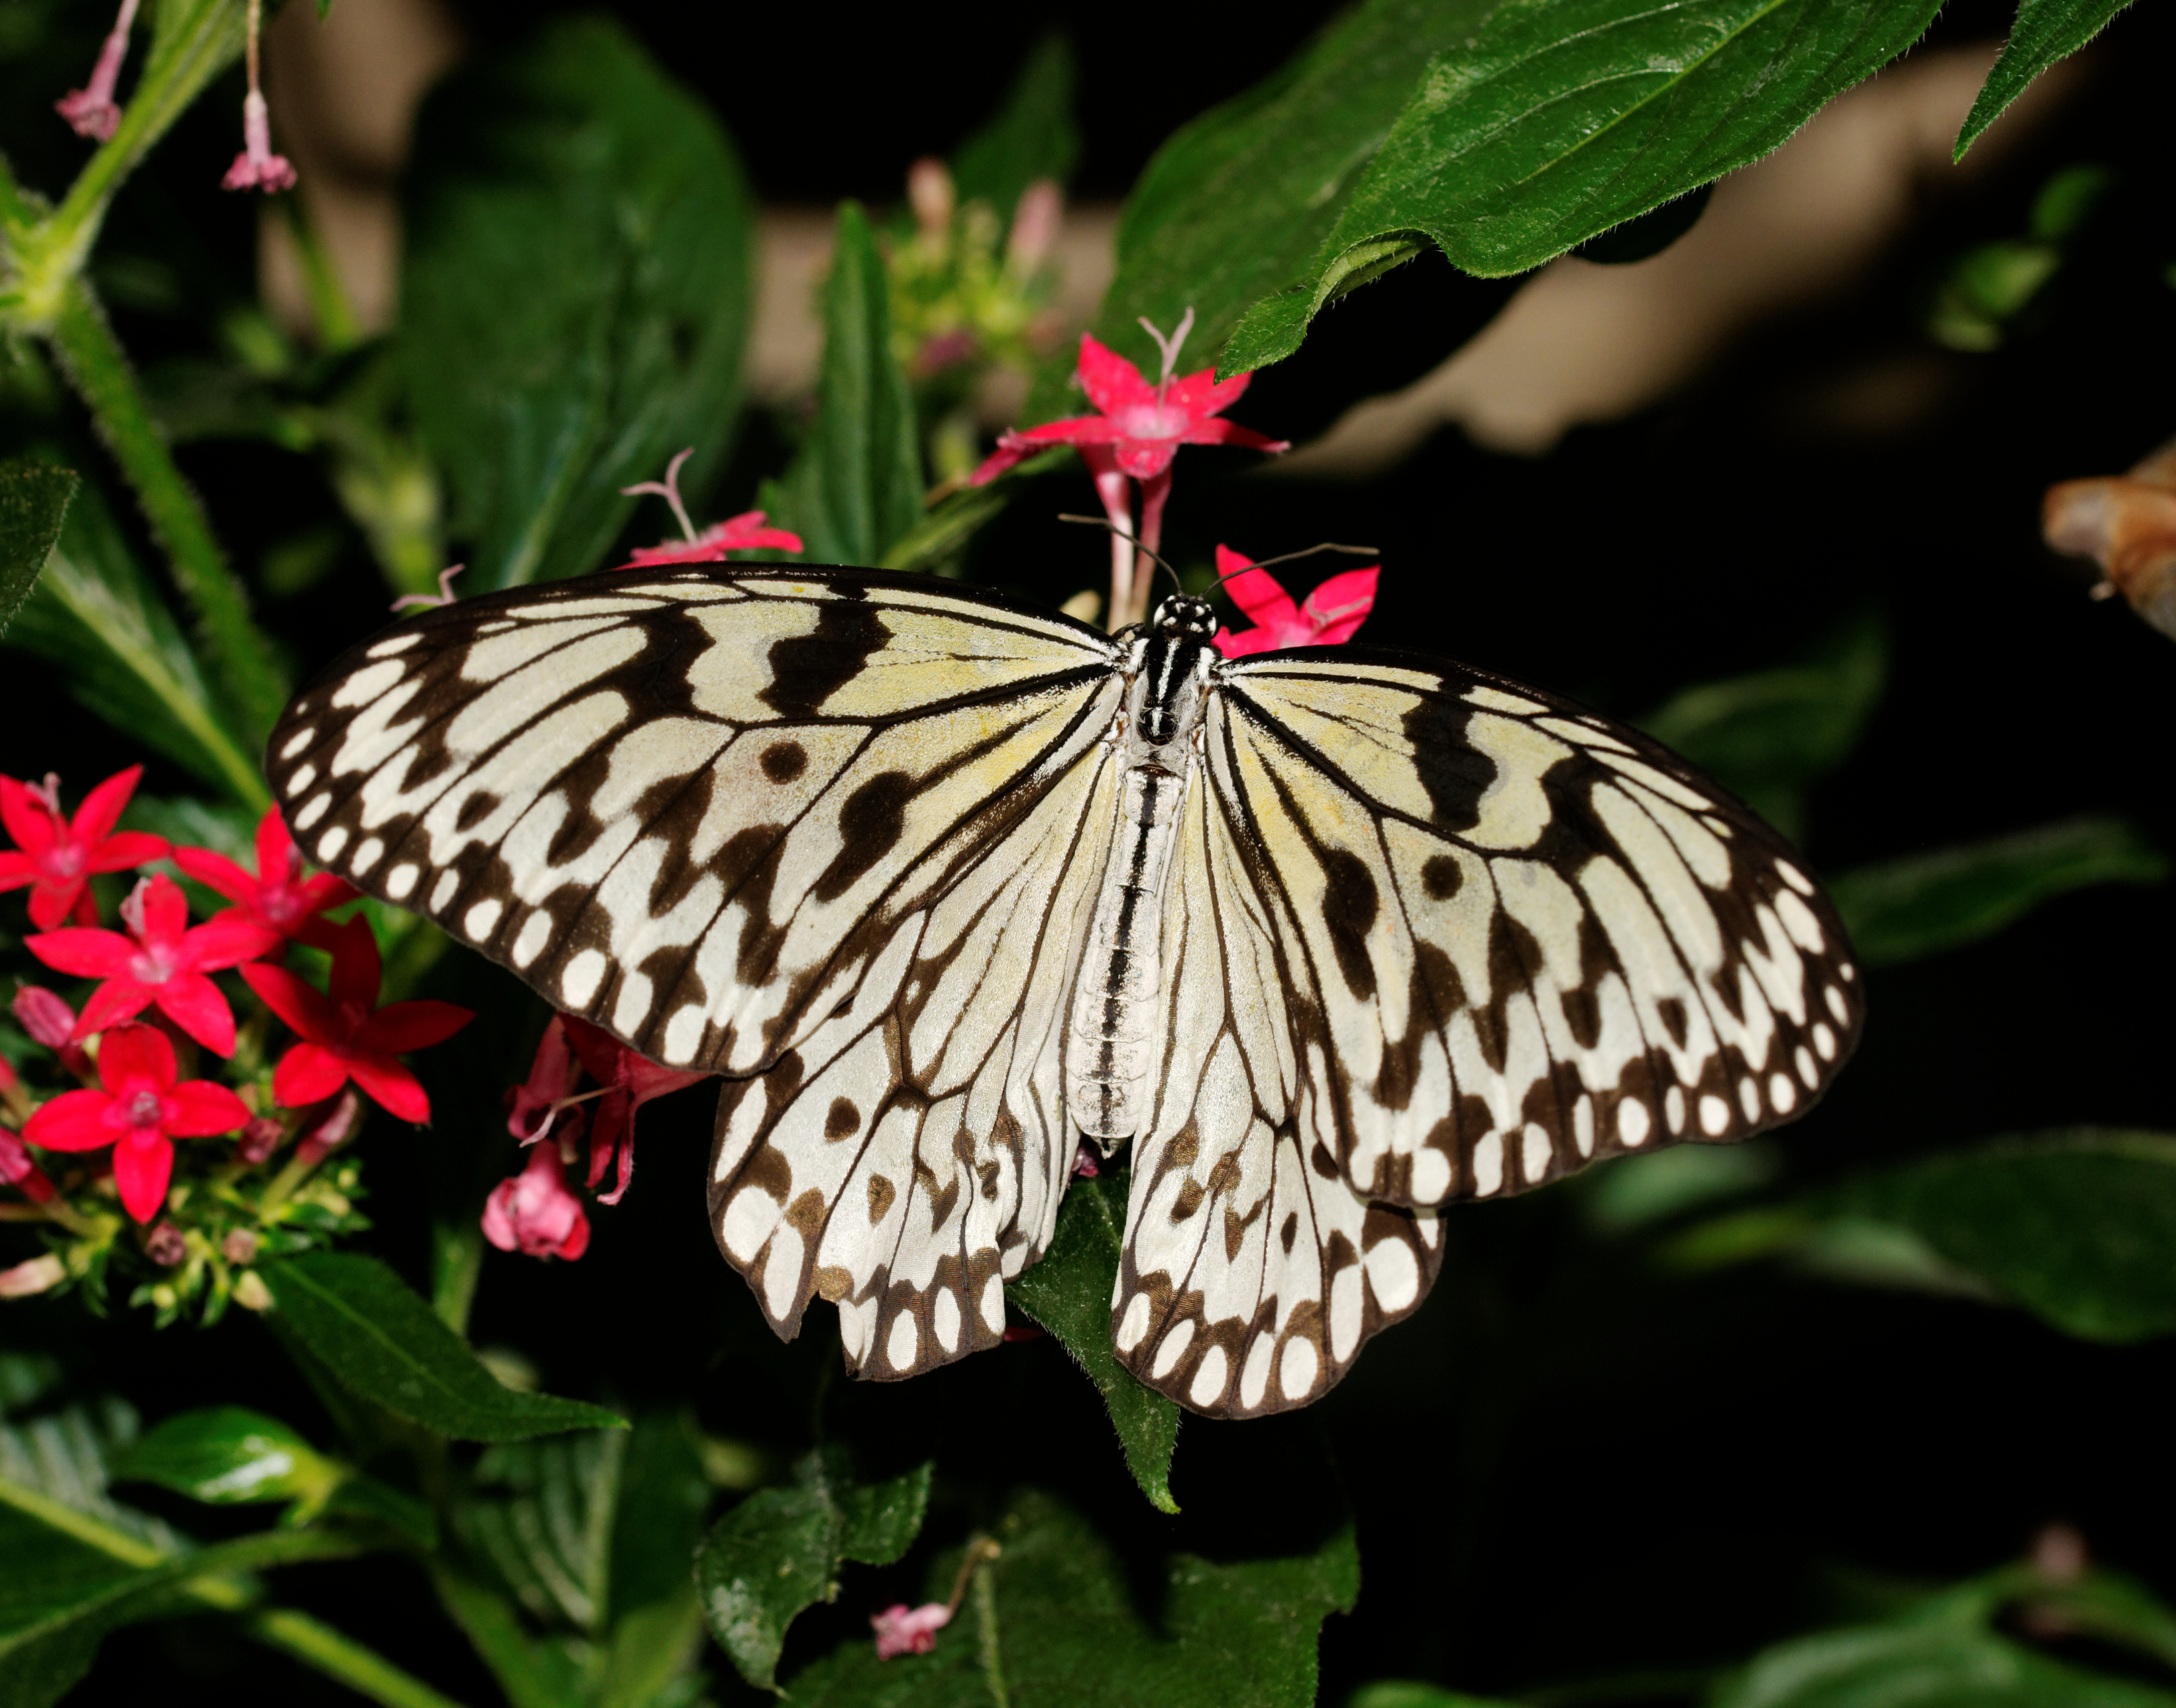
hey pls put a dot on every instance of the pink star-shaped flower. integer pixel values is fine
(161, 961)
(139, 1109)
(1329, 615)
(1143, 425)
(345, 1035)
(629, 1079)
(533, 1213)
(279, 897)
(57, 856)
(743, 533)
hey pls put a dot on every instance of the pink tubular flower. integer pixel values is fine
(532, 1106)
(257, 167)
(139, 1111)
(90, 110)
(161, 960)
(1329, 615)
(345, 1035)
(904, 1630)
(18, 1171)
(743, 533)
(533, 1213)
(57, 857)
(279, 898)
(629, 1080)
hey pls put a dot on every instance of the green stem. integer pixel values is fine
(95, 364)
(362, 1670)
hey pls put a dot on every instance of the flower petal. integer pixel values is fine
(1257, 592)
(215, 871)
(399, 1027)
(354, 971)
(1201, 394)
(15, 869)
(86, 954)
(307, 1073)
(227, 941)
(275, 849)
(135, 1052)
(117, 1000)
(1111, 381)
(1226, 432)
(296, 1001)
(166, 913)
(74, 1121)
(26, 819)
(56, 900)
(193, 1003)
(392, 1086)
(142, 1167)
(130, 849)
(198, 1108)
(101, 808)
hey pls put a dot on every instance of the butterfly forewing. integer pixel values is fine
(1519, 938)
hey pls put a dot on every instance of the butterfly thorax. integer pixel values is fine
(1110, 1047)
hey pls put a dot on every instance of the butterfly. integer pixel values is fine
(946, 885)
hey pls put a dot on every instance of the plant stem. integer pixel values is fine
(362, 1670)
(95, 364)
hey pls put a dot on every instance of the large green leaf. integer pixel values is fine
(1069, 1293)
(380, 1340)
(1770, 734)
(2076, 1227)
(2046, 30)
(1059, 1606)
(95, 613)
(228, 1455)
(857, 486)
(1903, 910)
(1555, 120)
(575, 295)
(780, 1549)
(33, 502)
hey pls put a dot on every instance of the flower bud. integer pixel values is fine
(259, 1139)
(250, 1291)
(239, 1247)
(166, 1245)
(18, 1171)
(35, 1277)
(929, 191)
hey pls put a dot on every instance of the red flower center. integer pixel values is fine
(65, 859)
(140, 1109)
(150, 965)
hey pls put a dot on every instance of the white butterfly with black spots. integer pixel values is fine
(942, 883)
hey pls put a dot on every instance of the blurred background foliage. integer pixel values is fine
(1867, 1412)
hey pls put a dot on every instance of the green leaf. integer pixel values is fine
(1924, 1665)
(96, 614)
(533, 1675)
(2076, 1227)
(363, 1322)
(576, 294)
(33, 503)
(1070, 1293)
(58, 1448)
(857, 486)
(1768, 736)
(1400, 1692)
(2046, 30)
(780, 1549)
(1032, 136)
(228, 1455)
(1555, 120)
(541, 1513)
(1059, 1606)
(1904, 909)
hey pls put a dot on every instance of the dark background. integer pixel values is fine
(1569, 1467)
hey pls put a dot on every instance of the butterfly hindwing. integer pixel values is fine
(1519, 936)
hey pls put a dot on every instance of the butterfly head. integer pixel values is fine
(1183, 614)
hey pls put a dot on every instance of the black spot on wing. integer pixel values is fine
(1350, 904)
(1450, 771)
(806, 670)
(871, 821)
(784, 761)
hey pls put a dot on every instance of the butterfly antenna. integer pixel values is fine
(1326, 546)
(1106, 522)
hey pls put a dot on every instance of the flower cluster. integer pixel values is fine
(130, 1130)
(969, 288)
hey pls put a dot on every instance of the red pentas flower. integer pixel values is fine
(345, 1035)
(1329, 615)
(57, 857)
(279, 897)
(161, 960)
(629, 1079)
(139, 1109)
(533, 1213)
(743, 533)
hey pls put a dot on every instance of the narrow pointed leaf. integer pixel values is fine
(1069, 1293)
(2046, 30)
(33, 503)
(379, 1340)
